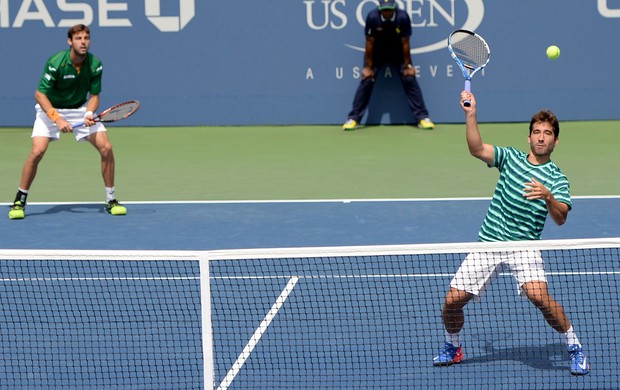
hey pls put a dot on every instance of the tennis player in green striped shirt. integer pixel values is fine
(529, 188)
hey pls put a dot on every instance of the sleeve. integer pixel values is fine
(48, 78)
(95, 81)
(561, 191)
(371, 25)
(404, 24)
(499, 157)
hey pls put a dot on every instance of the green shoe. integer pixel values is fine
(18, 210)
(115, 208)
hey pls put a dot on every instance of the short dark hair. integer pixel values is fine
(549, 117)
(78, 28)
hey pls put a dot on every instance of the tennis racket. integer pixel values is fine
(116, 112)
(471, 53)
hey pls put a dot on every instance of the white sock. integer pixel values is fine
(454, 338)
(110, 193)
(571, 337)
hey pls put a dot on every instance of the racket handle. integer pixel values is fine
(467, 103)
(78, 124)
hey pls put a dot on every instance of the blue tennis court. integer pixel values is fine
(234, 225)
(355, 321)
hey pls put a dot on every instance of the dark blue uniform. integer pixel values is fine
(388, 50)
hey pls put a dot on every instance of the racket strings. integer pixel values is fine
(120, 111)
(470, 50)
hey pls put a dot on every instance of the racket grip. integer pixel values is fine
(467, 103)
(78, 124)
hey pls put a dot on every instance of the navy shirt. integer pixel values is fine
(388, 34)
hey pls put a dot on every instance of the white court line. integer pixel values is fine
(236, 367)
(251, 201)
(323, 276)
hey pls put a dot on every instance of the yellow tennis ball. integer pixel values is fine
(553, 52)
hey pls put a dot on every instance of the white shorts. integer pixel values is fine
(44, 127)
(479, 269)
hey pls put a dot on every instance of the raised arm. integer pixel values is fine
(477, 148)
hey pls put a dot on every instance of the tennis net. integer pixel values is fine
(302, 318)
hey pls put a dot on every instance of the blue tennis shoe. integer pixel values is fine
(578, 362)
(449, 355)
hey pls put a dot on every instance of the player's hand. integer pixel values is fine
(63, 125)
(468, 96)
(89, 119)
(368, 72)
(409, 72)
(536, 190)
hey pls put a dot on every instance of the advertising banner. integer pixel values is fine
(281, 62)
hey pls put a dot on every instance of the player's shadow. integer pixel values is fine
(541, 357)
(70, 208)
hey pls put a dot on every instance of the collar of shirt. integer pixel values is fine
(393, 18)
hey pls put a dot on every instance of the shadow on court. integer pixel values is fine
(69, 208)
(540, 357)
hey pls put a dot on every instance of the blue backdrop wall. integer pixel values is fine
(238, 62)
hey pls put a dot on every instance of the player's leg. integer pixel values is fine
(453, 319)
(452, 311)
(416, 102)
(528, 269)
(360, 103)
(101, 142)
(538, 293)
(363, 94)
(29, 171)
(475, 273)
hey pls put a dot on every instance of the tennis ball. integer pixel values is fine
(553, 52)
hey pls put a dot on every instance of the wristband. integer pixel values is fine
(88, 113)
(53, 114)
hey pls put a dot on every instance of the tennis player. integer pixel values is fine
(68, 92)
(388, 29)
(529, 188)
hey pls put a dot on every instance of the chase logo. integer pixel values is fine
(605, 11)
(106, 13)
(187, 11)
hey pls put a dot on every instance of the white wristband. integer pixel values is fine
(88, 113)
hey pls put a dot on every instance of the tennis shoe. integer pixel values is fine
(578, 362)
(350, 124)
(426, 124)
(18, 210)
(449, 355)
(115, 208)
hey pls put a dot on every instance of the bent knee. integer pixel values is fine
(456, 299)
(36, 154)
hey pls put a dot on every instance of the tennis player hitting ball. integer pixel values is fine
(69, 78)
(529, 188)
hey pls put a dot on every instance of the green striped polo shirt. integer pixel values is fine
(511, 217)
(64, 86)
